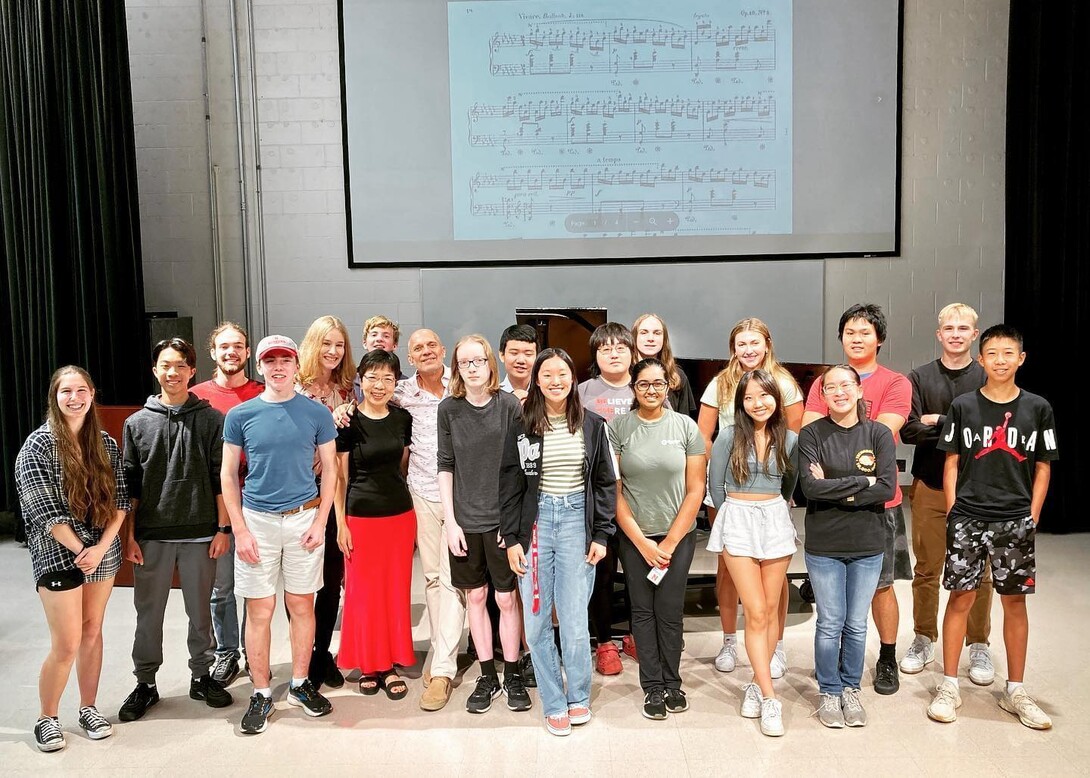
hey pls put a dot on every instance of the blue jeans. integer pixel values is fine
(843, 590)
(229, 638)
(564, 580)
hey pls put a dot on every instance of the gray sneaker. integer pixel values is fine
(852, 708)
(920, 654)
(981, 671)
(829, 712)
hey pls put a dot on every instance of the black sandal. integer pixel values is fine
(393, 684)
(369, 684)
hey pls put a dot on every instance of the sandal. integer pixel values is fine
(369, 684)
(393, 684)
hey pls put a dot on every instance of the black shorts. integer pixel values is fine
(1010, 545)
(896, 564)
(61, 580)
(483, 553)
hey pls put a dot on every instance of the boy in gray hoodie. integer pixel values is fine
(172, 453)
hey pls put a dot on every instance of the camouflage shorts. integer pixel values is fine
(1009, 545)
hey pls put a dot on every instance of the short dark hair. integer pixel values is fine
(868, 312)
(183, 347)
(523, 333)
(379, 358)
(1001, 331)
(610, 332)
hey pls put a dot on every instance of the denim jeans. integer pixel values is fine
(229, 638)
(564, 580)
(843, 589)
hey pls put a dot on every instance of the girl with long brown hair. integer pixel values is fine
(73, 497)
(653, 340)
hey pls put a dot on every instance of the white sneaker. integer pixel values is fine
(771, 718)
(727, 659)
(751, 703)
(1024, 707)
(778, 666)
(920, 654)
(944, 706)
(981, 671)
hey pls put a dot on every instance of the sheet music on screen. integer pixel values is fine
(537, 131)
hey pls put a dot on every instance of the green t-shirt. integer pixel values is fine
(653, 457)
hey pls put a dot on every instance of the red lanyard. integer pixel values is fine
(536, 603)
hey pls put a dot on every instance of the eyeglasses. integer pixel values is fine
(658, 386)
(620, 348)
(463, 364)
(845, 387)
(389, 380)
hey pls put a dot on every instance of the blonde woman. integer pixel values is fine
(326, 372)
(751, 349)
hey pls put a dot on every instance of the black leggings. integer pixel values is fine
(328, 600)
(601, 598)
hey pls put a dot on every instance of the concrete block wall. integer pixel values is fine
(952, 174)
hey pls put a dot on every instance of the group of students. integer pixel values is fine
(332, 472)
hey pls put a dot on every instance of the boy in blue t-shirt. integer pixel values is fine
(278, 519)
(1000, 442)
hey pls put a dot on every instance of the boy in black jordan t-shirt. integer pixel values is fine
(1000, 442)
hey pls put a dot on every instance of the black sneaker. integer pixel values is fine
(226, 669)
(526, 670)
(676, 701)
(517, 697)
(886, 679)
(654, 705)
(488, 689)
(211, 691)
(137, 703)
(48, 735)
(94, 723)
(256, 718)
(308, 698)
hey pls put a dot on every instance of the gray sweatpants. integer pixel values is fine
(151, 589)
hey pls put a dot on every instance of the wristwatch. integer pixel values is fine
(225, 530)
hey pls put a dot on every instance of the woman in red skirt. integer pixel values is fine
(376, 530)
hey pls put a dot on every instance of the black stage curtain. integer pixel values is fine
(73, 289)
(1048, 225)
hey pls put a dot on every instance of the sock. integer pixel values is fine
(779, 646)
(150, 685)
(297, 682)
(1013, 686)
(510, 668)
(264, 692)
(953, 680)
(887, 651)
(488, 667)
(730, 638)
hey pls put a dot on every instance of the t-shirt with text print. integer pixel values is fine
(998, 447)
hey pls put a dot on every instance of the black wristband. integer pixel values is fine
(224, 530)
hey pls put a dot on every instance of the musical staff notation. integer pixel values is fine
(579, 120)
(521, 193)
(628, 48)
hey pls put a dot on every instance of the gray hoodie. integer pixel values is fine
(172, 464)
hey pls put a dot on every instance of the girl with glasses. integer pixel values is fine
(751, 349)
(751, 476)
(376, 531)
(848, 469)
(660, 454)
(557, 522)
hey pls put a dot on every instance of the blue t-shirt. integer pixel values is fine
(279, 440)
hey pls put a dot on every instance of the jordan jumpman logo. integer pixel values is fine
(999, 441)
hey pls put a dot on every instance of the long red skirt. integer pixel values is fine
(376, 632)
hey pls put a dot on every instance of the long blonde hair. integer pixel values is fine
(665, 356)
(457, 387)
(729, 377)
(310, 354)
(87, 475)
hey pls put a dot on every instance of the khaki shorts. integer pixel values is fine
(281, 552)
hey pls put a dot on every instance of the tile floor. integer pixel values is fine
(374, 736)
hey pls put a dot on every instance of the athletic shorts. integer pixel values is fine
(1009, 544)
(758, 529)
(61, 580)
(896, 563)
(281, 552)
(483, 553)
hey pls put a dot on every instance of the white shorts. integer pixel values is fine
(280, 548)
(761, 530)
